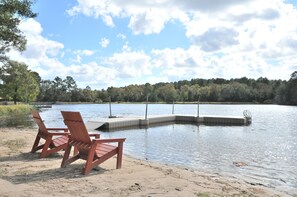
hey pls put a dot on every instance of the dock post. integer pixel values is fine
(110, 115)
(198, 118)
(198, 107)
(145, 122)
(173, 107)
(146, 107)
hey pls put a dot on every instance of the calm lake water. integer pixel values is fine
(268, 146)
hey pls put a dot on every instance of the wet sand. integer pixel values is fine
(23, 174)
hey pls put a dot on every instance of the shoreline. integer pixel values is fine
(23, 174)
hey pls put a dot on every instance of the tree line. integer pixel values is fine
(21, 84)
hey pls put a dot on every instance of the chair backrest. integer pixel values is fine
(39, 121)
(76, 126)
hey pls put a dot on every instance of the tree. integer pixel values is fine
(30, 88)
(235, 92)
(11, 13)
(46, 92)
(60, 89)
(194, 92)
(281, 94)
(19, 83)
(88, 95)
(184, 93)
(167, 93)
(263, 92)
(70, 84)
(292, 89)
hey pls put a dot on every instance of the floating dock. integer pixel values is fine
(138, 121)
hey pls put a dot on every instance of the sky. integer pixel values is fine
(117, 43)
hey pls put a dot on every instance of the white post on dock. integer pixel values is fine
(145, 121)
(110, 115)
(146, 107)
(173, 107)
(198, 107)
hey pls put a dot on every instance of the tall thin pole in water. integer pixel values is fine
(110, 107)
(173, 107)
(146, 107)
(198, 106)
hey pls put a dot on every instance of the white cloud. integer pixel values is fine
(216, 39)
(93, 74)
(40, 51)
(145, 16)
(108, 20)
(104, 9)
(178, 64)
(38, 46)
(130, 64)
(88, 52)
(212, 25)
(31, 27)
(77, 59)
(209, 5)
(121, 36)
(80, 53)
(148, 22)
(104, 42)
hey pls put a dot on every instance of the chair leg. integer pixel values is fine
(66, 160)
(45, 148)
(66, 156)
(89, 163)
(119, 155)
(35, 145)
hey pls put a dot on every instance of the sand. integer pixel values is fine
(23, 174)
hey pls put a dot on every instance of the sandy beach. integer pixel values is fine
(23, 174)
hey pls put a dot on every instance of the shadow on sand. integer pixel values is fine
(30, 161)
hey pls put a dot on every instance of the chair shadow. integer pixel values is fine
(28, 157)
(72, 171)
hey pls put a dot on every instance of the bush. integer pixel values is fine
(15, 115)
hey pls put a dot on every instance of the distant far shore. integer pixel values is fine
(178, 102)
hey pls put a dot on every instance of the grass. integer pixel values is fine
(8, 110)
(15, 115)
(202, 194)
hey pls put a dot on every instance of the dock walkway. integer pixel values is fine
(139, 121)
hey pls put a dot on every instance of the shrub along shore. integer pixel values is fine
(15, 115)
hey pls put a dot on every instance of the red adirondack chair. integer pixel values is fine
(93, 151)
(54, 141)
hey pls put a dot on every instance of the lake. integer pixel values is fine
(268, 146)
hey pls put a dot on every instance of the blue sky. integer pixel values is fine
(116, 43)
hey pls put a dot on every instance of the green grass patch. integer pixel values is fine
(202, 194)
(7, 110)
(15, 115)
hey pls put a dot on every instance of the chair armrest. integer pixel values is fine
(109, 140)
(58, 133)
(57, 129)
(96, 135)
